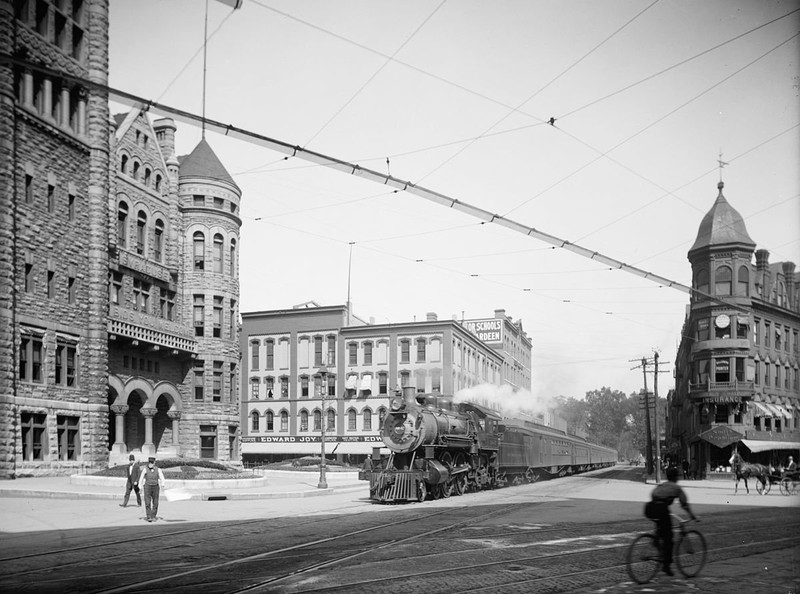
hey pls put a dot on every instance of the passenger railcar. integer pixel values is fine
(438, 449)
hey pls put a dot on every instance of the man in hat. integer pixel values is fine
(134, 473)
(150, 482)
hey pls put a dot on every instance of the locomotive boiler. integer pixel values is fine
(438, 448)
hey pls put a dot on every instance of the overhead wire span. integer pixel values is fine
(369, 174)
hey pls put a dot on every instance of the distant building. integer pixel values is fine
(737, 371)
(119, 284)
(510, 340)
(291, 358)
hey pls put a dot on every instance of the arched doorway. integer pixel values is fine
(134, 421)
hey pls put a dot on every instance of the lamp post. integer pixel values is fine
(323, 372)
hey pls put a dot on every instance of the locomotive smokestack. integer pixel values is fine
(410, 394)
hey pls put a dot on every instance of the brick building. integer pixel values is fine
(312, 362)
(119, 280)
(737, 371)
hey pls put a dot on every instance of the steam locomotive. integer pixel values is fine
(439, 448)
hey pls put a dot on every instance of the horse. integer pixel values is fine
(745, 470)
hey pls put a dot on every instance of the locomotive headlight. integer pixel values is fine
(397, 403)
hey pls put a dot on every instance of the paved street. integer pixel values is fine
(567, 535)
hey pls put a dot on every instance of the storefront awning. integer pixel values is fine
(776, 412)
(761, 410)
(721, 436)
(757, 445)
(782, 409)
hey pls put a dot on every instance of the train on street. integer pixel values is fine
(438, 448)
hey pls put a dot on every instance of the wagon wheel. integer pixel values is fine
(530, 476)
(786, 486)
(763, 487)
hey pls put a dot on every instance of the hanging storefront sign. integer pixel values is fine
(721, 436)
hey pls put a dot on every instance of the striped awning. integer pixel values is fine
(755, 445)
(776, 412)
(763, 410)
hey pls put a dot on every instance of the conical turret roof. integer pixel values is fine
(204, 163)
(722, 226)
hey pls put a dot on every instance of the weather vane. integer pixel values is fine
(721, 165)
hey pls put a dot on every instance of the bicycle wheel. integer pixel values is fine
(643, 559)
(691, 553)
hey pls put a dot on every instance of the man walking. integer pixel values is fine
(134, 471)
(150, 482)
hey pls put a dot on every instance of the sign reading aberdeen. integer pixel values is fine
(488, 331)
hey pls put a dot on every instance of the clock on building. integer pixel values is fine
(722, 321)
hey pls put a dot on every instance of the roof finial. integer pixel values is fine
(721, 165)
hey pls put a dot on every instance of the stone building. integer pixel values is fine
(312, 362)
(119, 282)
(737, 371)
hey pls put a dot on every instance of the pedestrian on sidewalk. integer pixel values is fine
(150, 482)
(693, 469)
(132, 484)
(685, 468)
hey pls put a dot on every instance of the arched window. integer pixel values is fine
(158, 182)
(158, 240)
(147, 176)
(284, 421)
(199, 250)
(331, 425)
(135, 172)
(743, 281)
(255, 421)
(233, 257)
(722, 280)
(317, 423)
(141, 232)
(303, 420)
(123, 164)
(270, 417)
(122, 224)
(367, 419)
(701, 280)
(217, 253)
(351, 420)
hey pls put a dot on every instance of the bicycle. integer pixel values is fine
(644, 558)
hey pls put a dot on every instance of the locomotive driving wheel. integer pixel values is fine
(460, 480)
(422, 491)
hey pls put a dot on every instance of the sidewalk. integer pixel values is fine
(272, 484)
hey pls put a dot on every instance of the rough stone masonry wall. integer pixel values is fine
(7, 215)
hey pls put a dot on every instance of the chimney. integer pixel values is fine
(788, 275)
(763, 281)
(431, 316)
(500, 313)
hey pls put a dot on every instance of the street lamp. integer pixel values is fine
(323, 372)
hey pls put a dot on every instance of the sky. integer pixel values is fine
(647, 98)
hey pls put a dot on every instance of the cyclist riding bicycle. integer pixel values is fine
(658, 511)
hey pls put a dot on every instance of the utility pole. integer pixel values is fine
(652, 434)
(655, 416)
(648, 432)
